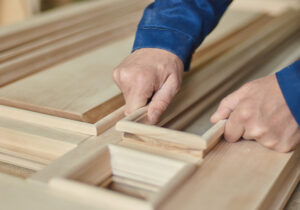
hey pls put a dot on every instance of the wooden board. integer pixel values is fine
(81, 89)
(87, 101)
(234, 175)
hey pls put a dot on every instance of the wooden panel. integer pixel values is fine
(81, 89)
(50, 50)
(234, 175)
(51, 22)
(86, 103)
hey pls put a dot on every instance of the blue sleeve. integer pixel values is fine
(289, 82)
(178, 26)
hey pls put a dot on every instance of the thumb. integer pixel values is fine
(162, 98)
(226, 106)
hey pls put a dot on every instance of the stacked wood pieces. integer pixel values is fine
(89, 70)
(28, 51)
(77, 169)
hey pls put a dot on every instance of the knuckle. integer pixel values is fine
(140, 77)
(245, 114)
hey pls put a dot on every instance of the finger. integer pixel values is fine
(137, 98)
(234, 129)
(161, 99)
(226, 106)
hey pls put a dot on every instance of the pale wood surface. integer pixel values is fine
(17, 194)
(88, 90)
(93, 72)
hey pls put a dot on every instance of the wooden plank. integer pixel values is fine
(89, 103)
(62, 50)
(36, 143)
(245, 171)
(51, 22)
(33, 100)
(94, 21)
(14, 170)
(16, 194)
(273, 7)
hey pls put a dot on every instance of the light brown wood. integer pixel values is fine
(52, 22)
(89, 103)
(64, 49)
(134, 165)
(37, 105)
(18, 194)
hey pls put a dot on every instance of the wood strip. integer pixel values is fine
(93, 22)
(64, 49)
(44, 24)
(89, 103)
(16, 171)
(21, 162)
(47, 120)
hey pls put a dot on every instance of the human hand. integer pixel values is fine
(147, 73)
(258, 111)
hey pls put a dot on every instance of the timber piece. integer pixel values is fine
(273, 7)
(211, 49)
(96, 97)
(42, 25)
(20, 162)
(34, 142)
(136, 168)
(61, 50)
(167, 138)
(17, 10)
(230, 179)
(13, 170)
(95, 21)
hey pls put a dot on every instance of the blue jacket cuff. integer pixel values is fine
(289, 82)
(152, 37)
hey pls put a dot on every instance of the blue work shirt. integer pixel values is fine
(179, 26)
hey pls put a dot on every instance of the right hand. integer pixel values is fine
(146, 73)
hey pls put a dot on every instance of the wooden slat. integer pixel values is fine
(51, 22)
(87, 92)
(94, 21)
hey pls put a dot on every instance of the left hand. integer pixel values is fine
(258, 111)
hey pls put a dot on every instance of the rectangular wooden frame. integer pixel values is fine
(143, 167)
(151, 135)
